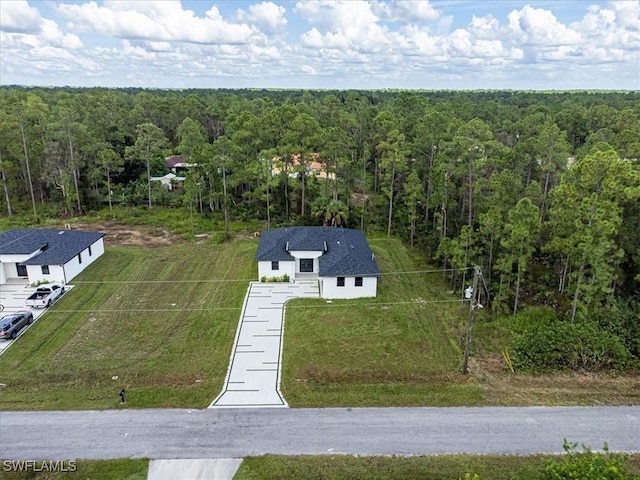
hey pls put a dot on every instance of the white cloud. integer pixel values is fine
(50, 33)
(154, 21)
(136, 52)
(17, 16)
(616, 26)
(347, 25)
(406, 12)
(347, 44)
(267, 16)
(23, 24)
(487, 27)
(537, 26)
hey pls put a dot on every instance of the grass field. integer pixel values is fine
(160, 320)
(402, 348)
(442, 467)
(121, 469)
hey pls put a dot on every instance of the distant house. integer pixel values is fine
(37, 255)
(169, 180)
(339, 258)
(177, 163)
(312, 167)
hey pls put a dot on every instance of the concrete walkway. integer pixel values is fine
(191, 469)
(253, 378)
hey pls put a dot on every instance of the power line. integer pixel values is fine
(413, 302)
(216, 280)
(150, 310)
(427, 271)
(212, 280)
(324, 305)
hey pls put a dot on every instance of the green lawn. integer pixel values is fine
(401, 348)
(121, 469)
(440, 467)
(161, 320)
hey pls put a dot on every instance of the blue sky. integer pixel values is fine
(436, 44)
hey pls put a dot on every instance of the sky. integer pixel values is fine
(352, 44)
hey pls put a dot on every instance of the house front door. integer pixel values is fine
(22, 270)
(306, 265)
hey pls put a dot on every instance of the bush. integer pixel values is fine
(285, 278)
(587, 465)
(564, 345)
(622, 319)
(532, 317)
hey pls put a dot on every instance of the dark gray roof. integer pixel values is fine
(59, 246)
(346, 251)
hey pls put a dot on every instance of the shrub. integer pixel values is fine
(622, 319)
(532, 317)
(284, 278)
(564, 345)
(587, 465)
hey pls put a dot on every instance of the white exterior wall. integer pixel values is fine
(288, 267)
(73, 267)
(56, 274)
(329, 287)
(298, 254)
(8, 265)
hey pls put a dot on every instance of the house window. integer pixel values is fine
(45, 269)
(275, 265)
(80, 258)
(358, 281)
(341, 281)
(89, 250)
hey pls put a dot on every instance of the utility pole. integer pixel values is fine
(473, 303)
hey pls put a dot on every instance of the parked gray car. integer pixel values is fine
(10, 325)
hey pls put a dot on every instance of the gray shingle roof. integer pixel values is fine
(61, 245)
(347, 251)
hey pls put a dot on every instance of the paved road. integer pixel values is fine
(226, 433)
(253, 379)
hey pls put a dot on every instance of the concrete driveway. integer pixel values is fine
(12, 298)
(253, 378)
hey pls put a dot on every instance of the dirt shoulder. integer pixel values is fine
(503, 388)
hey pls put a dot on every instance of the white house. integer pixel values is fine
(36, 255)
(339, 258)
(168, 180)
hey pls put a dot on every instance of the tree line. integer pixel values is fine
(540, 189)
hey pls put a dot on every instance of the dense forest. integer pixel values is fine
(541, 190)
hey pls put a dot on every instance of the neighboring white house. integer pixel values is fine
(339, 258)
(38, 255)
(168, 180)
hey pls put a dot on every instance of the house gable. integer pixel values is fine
(343, 251)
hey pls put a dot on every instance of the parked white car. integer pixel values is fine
(45, 295)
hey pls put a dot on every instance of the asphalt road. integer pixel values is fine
(372, 431)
